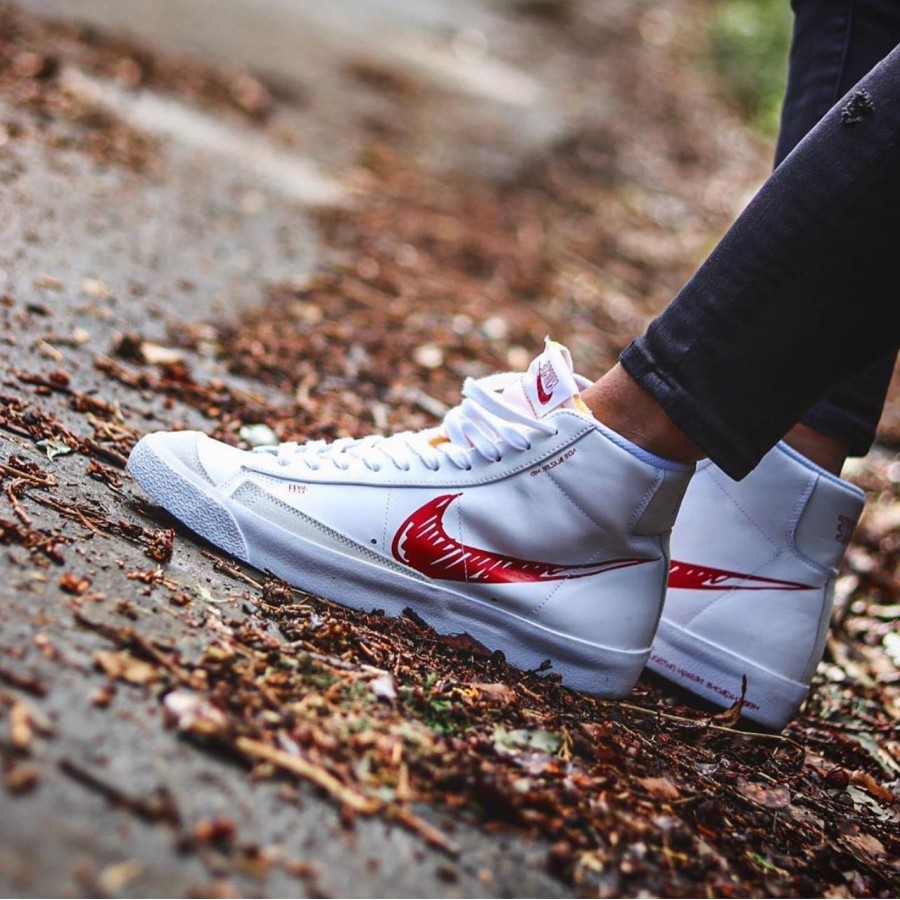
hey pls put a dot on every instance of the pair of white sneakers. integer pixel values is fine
(526, 523)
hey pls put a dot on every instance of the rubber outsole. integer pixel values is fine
(716, 674)
(350, 581)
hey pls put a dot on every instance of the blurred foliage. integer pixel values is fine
(750, 44)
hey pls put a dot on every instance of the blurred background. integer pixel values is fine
(277, 219)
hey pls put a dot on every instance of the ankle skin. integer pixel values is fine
(828, 452)
(619, 402)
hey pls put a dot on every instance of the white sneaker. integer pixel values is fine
(521, 521)
(751, 583)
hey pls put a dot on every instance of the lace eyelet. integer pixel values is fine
(284, 462)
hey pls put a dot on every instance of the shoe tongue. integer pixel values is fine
(548, 384)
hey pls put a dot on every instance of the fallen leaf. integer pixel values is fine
(770, 796)
(518, 739)
(502, 692)
(74, 584)
(21, 732)
(49, 282)
(215, 831)
(92, 287)
(868, 783)
(203, 593)
(383, 687)
(54, 447)
(114, 878)
(121, 664)
(866, 844)
(259, 435)
(20, 779)
(191, 712)
(156, 354)
(660, 788)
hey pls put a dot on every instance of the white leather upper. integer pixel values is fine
(787, 521)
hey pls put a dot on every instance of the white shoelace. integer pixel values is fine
(483, 423)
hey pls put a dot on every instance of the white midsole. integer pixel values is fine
(715, 673)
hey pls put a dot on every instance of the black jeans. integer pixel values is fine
(794, 317)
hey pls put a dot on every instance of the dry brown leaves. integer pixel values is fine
(431, 280)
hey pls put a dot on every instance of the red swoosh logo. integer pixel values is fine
(422, 543)
(705, 578)
(543, 396)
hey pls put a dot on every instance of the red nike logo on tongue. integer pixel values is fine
(546, 380)
(543, 396)
(422, 543)
(705, 578)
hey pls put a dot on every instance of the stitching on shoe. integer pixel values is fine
(557, 587)
(722, 486)
(459, 530)
(257, 491)
(794, 521)
(560, 584)
(201, 469)
(573, 502)
(712, 601)
(645, 500)
(387, 509)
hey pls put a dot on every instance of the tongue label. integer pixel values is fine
(549, 382)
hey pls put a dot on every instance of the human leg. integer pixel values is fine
(764, 327)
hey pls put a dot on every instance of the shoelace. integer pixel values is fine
(483, 422)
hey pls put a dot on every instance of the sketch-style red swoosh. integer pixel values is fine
(422, 543)
(543, 396)
(705, 578)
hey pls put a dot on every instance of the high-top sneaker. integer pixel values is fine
(752, 581)
(521, 520)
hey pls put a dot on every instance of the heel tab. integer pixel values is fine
(825, 477)
(828, 519)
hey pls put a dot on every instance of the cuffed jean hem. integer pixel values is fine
(727, 450)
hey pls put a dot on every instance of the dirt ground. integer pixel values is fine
(173, 724)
